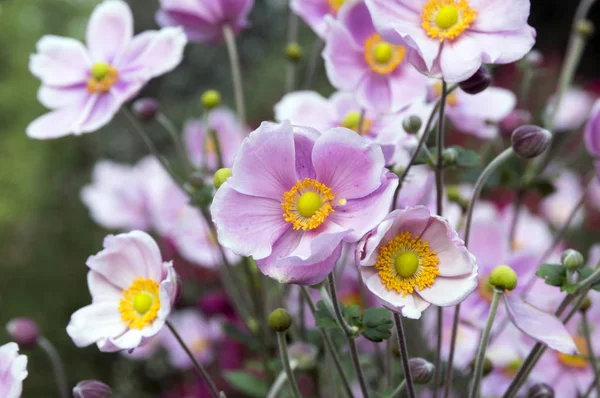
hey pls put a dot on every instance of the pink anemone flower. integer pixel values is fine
(13, 370)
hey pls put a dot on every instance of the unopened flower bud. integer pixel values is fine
(280, 320)
(572, 259)
(488, 366)
(220, 177)
(293, 52)
(412, 124)
(304, 354)
(540, 390)
(530, 141)
(449, 155)
(421, 370)
(478, 82)
(211, 99)
(504, 278)
(453, 193)
(23, 331)
(587, 303)
(91, 389)
(585, 28)
(145, 109)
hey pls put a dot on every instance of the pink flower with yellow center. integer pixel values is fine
(295, 195)
(452, 38)
(133, 292)
(85, 87)
(358, 60)
(414, 259)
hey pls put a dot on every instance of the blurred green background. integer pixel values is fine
(45, 232)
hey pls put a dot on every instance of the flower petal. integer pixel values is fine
(102, 290)
(514, 15)
(449, 291)
(306, 108)
(95, 322)
(60, 122)
(109, 31)
(460, 59)
(344, 59)
(60, 61)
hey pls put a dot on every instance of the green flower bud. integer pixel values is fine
(449, 155)
(587, 303)
(421, 370)
(211, 99)
(504, 278)
(572, 259)
(280, 320)
(293, 52)
(488, 366)
(585, 28)
(412, 124)
(220, 177)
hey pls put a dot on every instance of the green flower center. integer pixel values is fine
(100, 70)
(309, 204)
(446, 17)
(383, 53)
(142, 302)
(406, 264)
(352, 120)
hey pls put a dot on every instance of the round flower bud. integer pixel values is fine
(211, 99)
(488, 366)
(91, 389)
(293, 52)
(530, 141)
(280, 320)
(220, 177)
(23, 331)
(412, 124)
(540, 390)
(421, 370)
(304, 354)
(478, 82)
(585, 28)
(145, 109)
(572, 259)
(587, 303)
(449, 155)
(504, 278)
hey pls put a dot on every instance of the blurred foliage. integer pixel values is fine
(45, 232)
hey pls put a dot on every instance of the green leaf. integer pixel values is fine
(351, 314)
(544, 187)
(377, 324)
(466, 158)
(324, 319)
(247, 383)
(585, 273)
(553, 274)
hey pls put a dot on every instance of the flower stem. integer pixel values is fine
(439, 167)
(483, 343)
(437, 376)
(199, 368)
(168, 125)
(399, 390)
(236, 74)
(404, 354)
(329, 344)
(349, 335)
(57, 366)
(280, 381)
(312, 66)
(592, 356)
(285, 359)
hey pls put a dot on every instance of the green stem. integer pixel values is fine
(166, 123)
(290, 70)
(215, 137)
(285, 359)
(399, 390)
(57, 366)
(437, 373)
(236, 74)
(439, 167)
(404, 355)
(483, 343)
(590, 349)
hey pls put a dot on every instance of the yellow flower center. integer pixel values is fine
(447, 19)
(140, 303)
(199, 345)
(451, 99)
(352, 122)
(512, 367)
(102, 77)
(307, 204)
(335, 5)
(351, 298)
(210, 146)
(579, 361)
(382, 56)
(406, 263)
(485, 289)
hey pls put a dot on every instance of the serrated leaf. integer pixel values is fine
(247, 383)
(377, 324)
(553, 274)
(351, 314)
(324, 319)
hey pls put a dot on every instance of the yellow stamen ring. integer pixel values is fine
(140, 303)
(352, 121)
(307, 204)
(382, 56)
(102, 77)
(447, 19)
(335, 5)
(406, 263)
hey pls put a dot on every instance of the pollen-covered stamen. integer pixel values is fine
(451, 99)
(352, 121)
(102, 77)
(579, 361)
(307, 204)
(382, 56)
(335, 5)
(140, 303)
(406, 263)
(447, 19)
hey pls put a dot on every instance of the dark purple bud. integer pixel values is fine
(145, 109)
(540, 390)
(421, 370)
(23, 331)
(91, 389)
(478, 82)
(530, 141)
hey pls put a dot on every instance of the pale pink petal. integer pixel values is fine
(504, 47)
(13, 370)
(514, 14)
(345, 62)
(449, 291)
(60, 61)
(460, 59)
(109, 31)
(94, 322)
(60, 122)
(54, 97)
(306, 108)
(374, 93)
(367, 249)
(304, 142)
(102, 290)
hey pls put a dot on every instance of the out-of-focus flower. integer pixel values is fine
(305, 355)
(145, 108)
(85, 87)
(13, 370)
(414, 259)
(200, 145)
(558, 206)
(133, 291)
(200, 335)
(575, 107)
(295, 195)
(204, 20)
(516, 118)
(24, 331)
(452, 38)
(592, 131)
(91, 389)
(315, 12)
(358, 60)
(477, 114)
